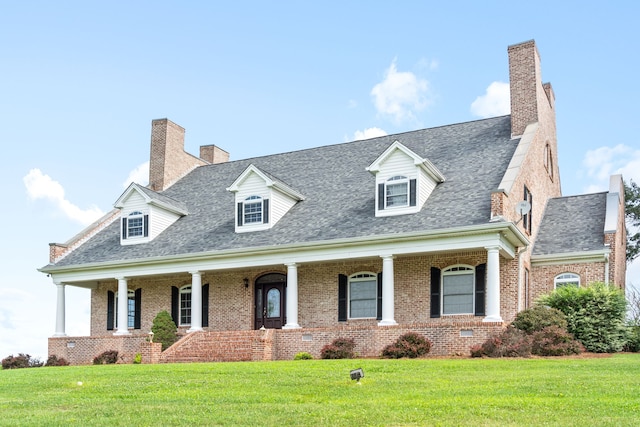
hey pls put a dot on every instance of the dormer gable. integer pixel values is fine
(404, 180)
(261, 199)
(144, 214)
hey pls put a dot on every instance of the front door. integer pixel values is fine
(270, 301)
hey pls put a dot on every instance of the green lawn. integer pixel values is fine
(447, 392)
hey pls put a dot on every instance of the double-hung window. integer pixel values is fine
(458, 290)
(363, 295)
(135, 225)
(252, 210)
(397, 192)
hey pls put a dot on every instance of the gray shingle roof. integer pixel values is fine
(340, 194)
(572, 224)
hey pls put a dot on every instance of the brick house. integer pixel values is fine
(448, 231)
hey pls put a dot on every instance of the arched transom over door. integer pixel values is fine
(270, 301)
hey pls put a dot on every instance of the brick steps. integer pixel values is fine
(220, 346)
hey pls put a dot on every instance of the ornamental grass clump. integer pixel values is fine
(409, 345)
(340, 348)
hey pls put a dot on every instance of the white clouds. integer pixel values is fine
(368, 133)
(605, 161)
(40, 186)
(495, 102)
(140, 175)
(400, 94)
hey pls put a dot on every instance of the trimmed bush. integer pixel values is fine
(108, 357)
(511, 342)
(137, 359)
(20, 361)
(340, 348)
(633, 339)
(303, 355)
(554, 341)
(409, 345)
(539, 317)
(54, 360)
(595, 315)
(164, 329)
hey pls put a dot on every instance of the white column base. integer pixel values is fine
(387, 323)
(292, 326)
(493, 319)
(59, 335)
(121, 333)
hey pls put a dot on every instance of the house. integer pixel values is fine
(448, 231)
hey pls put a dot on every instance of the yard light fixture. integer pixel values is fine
(356, 374)
(150, 336)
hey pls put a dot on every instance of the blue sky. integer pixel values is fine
(81, 82)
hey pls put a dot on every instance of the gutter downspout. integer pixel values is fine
(521, 252)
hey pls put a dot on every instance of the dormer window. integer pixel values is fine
(135, 225)
(253, 210)
(404, 181)
(397, 192)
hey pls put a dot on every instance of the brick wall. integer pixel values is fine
(542, 276)
(82, 350)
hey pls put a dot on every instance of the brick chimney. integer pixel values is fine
(531, 101)
(213, 154)
(168, 161)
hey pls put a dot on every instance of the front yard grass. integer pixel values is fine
(602, 391)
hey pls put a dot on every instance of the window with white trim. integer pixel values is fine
(131, 309)
(566, 279)
(458, 285)
(363, 295)
(252, 210)
(185, 305)
(135, 225)
(396, 192)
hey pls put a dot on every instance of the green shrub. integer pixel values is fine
(108, 357)
(340, 348)
(633, 339)
(595, 315)
(539, 317)
(20, 361)
(410, 345)
(54, 360)
(137, 359)
(554, 341)
(303, 355)
(511, 342)
(164, 329)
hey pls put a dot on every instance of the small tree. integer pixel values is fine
(632, 215)
(164, 329)
(595, 315)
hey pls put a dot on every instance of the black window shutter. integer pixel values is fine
(435, 292)
(205, 305)
(124, 228)
(239, 214)
(110, 311)
(138, 309)
(146, 226)
(175, 305)
(342, 298)
(481, 271)
(379, 308)
(380, 197)
(412, 192)
(265, 211)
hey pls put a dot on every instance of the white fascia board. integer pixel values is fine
(465, 238)
(170, 208)
(431, 170)
(397, 145)
(600, 255)
(125, 195)
(235, 186)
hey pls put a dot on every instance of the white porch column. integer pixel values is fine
(292, 297)
(388, 297)
(123, 307)
(493, 285)
(60, 311)
(196, 301)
